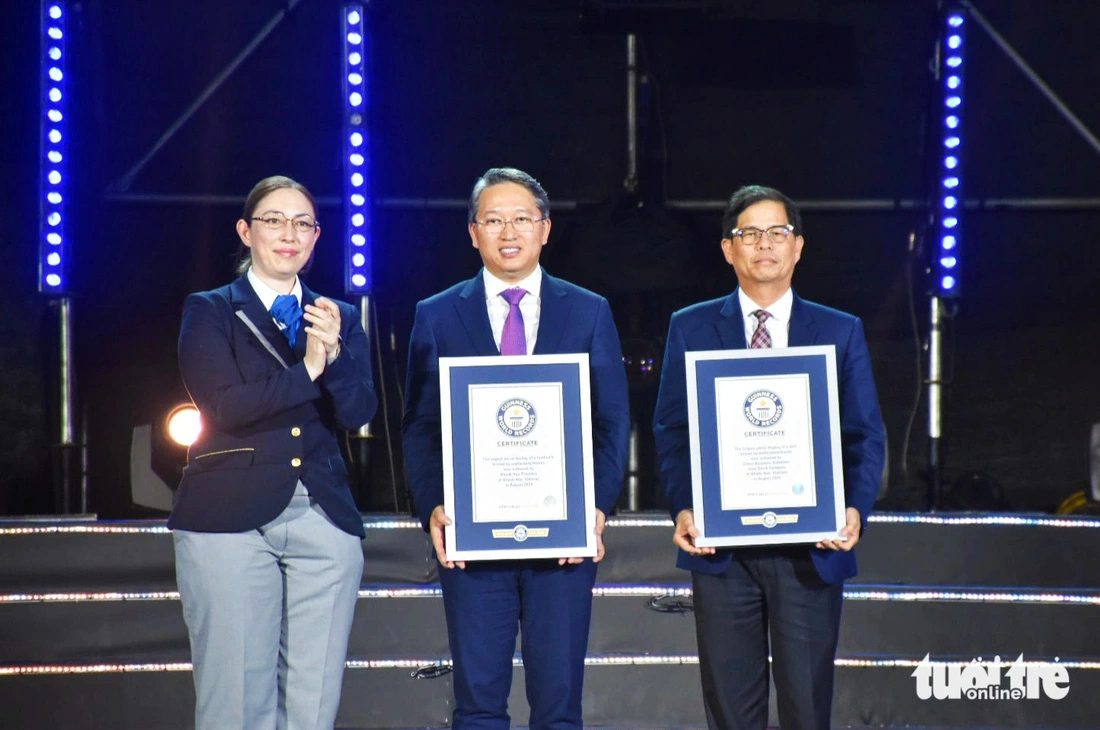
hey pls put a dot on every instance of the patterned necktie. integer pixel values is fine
(513, 340)
(760, 336)
(286, 312)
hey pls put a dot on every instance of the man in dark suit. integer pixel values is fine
(791, 593)
(513, 306)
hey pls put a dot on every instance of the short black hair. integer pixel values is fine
(498, 175)
(748, 195)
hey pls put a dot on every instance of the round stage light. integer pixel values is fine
(184, 424)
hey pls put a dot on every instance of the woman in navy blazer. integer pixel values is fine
(267, 535)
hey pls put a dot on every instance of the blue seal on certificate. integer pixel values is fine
(519, 533)
(516, 417)
(763, 409)
(771, 519)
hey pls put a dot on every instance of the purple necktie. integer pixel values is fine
(760, 336)
(513, 340)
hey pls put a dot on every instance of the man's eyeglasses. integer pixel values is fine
(521, 224)
(751, 236)
(301, 223)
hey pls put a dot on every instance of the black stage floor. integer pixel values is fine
(91, 633)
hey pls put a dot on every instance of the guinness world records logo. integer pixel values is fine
(763, 408)
(516, 417)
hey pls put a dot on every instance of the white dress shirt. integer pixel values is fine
(778, 324)
(529, 306)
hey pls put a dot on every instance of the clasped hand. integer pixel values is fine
(322, 335)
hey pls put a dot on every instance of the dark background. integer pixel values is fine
(825, 100)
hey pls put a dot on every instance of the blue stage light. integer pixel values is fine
(357, 191)
(52, 174)
(948, 213)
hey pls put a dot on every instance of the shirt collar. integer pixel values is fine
(494, 286)
(267, 294)
(780, 309)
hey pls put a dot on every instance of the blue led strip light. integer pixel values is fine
(358, 276)
(53, 151)
(948, 200)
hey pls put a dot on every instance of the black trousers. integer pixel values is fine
(767, 593)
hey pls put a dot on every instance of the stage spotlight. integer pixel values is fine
(184, 424)
(158, 453)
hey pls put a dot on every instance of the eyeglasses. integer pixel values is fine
(521, 224)
(301, 223)
(750, 236)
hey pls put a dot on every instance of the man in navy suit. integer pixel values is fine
(791, 594)
(267, 535)
(486, 602)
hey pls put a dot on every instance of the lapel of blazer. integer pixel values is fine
(246, 301)
(553, 315)
(803, 332)
(474, 316)
(731, 325)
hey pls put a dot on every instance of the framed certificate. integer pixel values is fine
(766, 464)
(517, 457)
